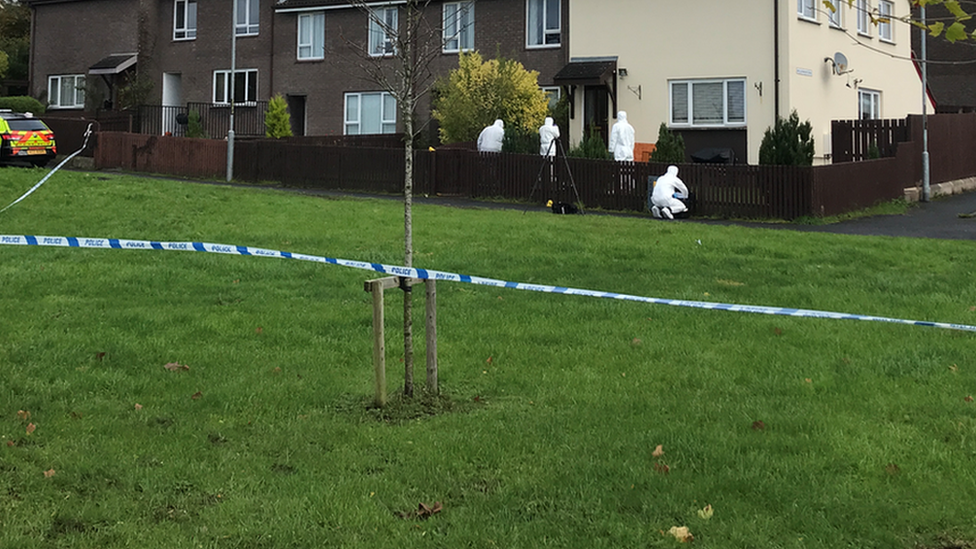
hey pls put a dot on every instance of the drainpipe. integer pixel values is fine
(926, 175)
(776, 58)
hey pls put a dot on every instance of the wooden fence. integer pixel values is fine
(740, 191)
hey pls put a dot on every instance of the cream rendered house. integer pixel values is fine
(719, 71)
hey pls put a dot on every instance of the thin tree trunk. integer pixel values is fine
(407, 110)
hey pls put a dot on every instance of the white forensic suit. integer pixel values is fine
(548, 134)
(622, 139)
(662, 198)
(491, 138)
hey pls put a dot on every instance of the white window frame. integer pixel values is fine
(387, 119)
(864, 17)
(222, 93)
(836, 18)
(188, 31)
(462, 35)
(248, 17)
(886, 29)
(55, 85)
(874, 99)
(308, 50)
(381, 44)
(553, 93)
(547, 33)
(806, 10)
(690, 121)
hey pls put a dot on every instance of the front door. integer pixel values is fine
(596, 111)
(296, 113)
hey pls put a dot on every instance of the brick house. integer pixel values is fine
(310, 51)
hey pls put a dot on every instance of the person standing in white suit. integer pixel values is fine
(622, 139)
(492, 137)
(548, 134)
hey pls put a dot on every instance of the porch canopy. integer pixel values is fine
(592, 71)
(114, 64)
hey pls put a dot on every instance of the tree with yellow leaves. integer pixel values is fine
(479, 92)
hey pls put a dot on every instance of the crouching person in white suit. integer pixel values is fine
(664, 203)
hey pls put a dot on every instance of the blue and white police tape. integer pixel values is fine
(122, 244)
(56, 168)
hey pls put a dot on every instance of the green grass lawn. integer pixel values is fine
(800, 433)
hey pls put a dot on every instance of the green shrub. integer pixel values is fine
(277, 121)
(518, 140)
(591, 147)
(670, 147)
(873, 151)
(788, 144)
(194, 127)
(22, 103)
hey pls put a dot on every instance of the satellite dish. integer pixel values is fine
(840, 63)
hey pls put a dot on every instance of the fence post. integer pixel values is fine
(379, 344)
(431, 335)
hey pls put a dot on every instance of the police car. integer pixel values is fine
(25, 139)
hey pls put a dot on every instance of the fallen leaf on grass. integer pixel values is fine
(658, 451)
(176, 367)
(706, 513)
(778, 331)
(892, 469)
(808, 380)
(49, 473)
(969, 398)
(423, 511)
(489, 360)
(197, 395)
(662, 468)
(953, 368)
(10, 443)
(30, 428)
(258, 330)
(636, 341)
(758, 425)
(277, 370)
(732, 283)
(682, 534)
(99, 356)
(138, 407)
(23, 415)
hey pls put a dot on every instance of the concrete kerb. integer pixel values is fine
(959, 186)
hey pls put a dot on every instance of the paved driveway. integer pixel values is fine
(938, 218)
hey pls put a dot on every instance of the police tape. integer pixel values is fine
(56, 168)
(428, 274)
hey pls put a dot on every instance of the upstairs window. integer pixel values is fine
(185, 20)
(458, 26)
(708, 102)
(247, 17)
(807, 9)
(382, 31)
(311, 36)
(66, 91)
(245, 87)
(864, 17)
(886, 11)
(544, 23)
(835, 16)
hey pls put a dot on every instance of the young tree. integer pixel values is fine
(788, 144)
(670, 148)
(479, 92)
(410, 42)
(277, 121)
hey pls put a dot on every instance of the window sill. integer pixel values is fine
(806, 19)
(310, 59)
(543, 47)
(184, 39)
(887, 41)
(864, 34)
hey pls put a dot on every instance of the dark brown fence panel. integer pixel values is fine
(248, 118)
(840, 188)
(69, 134)
(951, 140)
(170, 155)
(346, 168)
(852, 139)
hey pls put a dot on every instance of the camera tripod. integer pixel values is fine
(548, 160)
